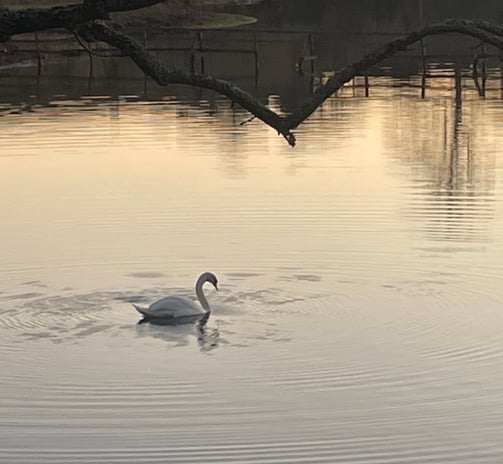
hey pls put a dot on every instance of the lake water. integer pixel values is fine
(359, 317)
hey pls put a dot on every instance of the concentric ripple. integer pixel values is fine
(359, 313)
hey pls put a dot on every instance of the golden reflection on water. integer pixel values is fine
(111, 185)
(359, 274)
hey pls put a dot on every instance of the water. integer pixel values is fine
(359, 317)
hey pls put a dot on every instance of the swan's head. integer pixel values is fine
(211, 278)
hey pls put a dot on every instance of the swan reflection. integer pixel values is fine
(182, 333)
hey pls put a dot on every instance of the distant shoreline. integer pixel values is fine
(178, 4)
(157, 19)
(178, 13)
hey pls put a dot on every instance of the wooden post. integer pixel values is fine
(255, 40)
(145, 80)
(200, 39)
(39, 58)
(459, 86)
(423, 50)
(311, 51)
(91, 63)
(91, 68)
(193, 57)
(484, 69)
(366, 74)
(425, 69)
(480, 79)
(307, 54)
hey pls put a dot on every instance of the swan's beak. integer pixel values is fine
(216, 287)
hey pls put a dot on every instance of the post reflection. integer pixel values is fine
(451, 163)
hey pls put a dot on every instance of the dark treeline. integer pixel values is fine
(370, 15)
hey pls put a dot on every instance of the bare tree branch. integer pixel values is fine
(478, 29)
(14, 22)
(88, 19)
(165, 75)
(100, 30)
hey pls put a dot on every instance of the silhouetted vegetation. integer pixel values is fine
(371, 15)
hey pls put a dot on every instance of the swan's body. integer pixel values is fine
(172, 306)
(175, 308)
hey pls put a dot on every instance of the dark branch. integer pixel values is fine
(100, 30)
(83, 19)
(478, 29)
(14, 22)
(165, 75)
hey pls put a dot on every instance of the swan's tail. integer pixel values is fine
(141, 310)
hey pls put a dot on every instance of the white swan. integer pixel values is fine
(179, 309)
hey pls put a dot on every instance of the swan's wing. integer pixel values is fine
(173, 306)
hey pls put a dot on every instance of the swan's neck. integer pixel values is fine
(200, 295)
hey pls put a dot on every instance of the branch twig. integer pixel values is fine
(88, 49)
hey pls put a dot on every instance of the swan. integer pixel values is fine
(179, 309)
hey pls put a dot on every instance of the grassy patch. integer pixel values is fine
(156, 18)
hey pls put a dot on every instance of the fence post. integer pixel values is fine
(200, 39)
(423, 50)
(311, 51)
(39, 58)
(255, 38)
(145, 79)
(366, 74)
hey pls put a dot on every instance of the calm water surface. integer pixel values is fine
(359, 318)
